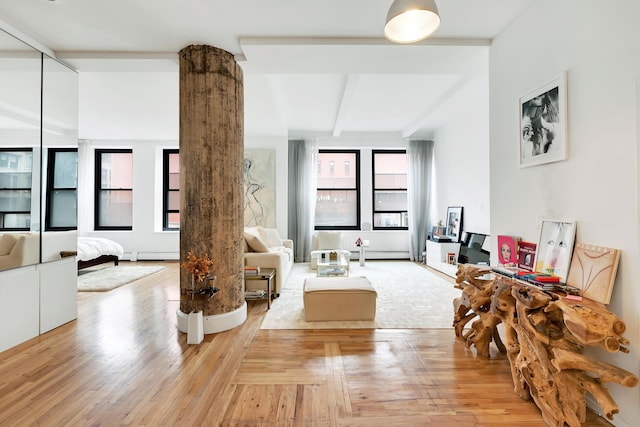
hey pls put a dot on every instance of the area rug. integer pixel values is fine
(110, 278)
(409, 297)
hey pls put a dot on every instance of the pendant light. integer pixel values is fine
(410, 21)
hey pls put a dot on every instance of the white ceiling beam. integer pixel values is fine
(345, 103)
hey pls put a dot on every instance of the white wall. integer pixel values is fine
(461, 166)
(598, 185)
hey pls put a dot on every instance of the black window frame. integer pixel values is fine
(374, 189)
(166, 154)
(18, 189)
(51, 167)
(356, 188)
(98, 189)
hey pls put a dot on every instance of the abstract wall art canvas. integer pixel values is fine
(259, 171)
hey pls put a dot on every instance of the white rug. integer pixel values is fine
(109, 278)
(409, 297)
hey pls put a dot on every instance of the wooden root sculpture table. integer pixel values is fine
(544, 338)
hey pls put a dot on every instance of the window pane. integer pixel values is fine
(337, 208)
(174, 163)
(331, 177)
(174, 181)
(174, 201)
(390, 220)
(17, 220)
(15, 200)
(66, 169)
(390, 170)
(116, 208)
(15, 180)
(173, 220)
(117, 170)
(390, 201)
(64, 209)
(16, 161)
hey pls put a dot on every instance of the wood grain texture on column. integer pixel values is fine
(211, 185)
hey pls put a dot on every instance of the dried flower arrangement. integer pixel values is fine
(198, 266)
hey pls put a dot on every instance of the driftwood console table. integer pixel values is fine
(544, 338)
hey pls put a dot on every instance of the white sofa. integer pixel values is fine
(264, 248)
(18, 249)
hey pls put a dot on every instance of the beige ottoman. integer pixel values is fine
(339, 298)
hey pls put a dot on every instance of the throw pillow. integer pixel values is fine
(252, 237)
(329, 240)
(270, 236)
(7, 242)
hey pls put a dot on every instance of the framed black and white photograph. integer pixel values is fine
(543, 124)
(555, 248)
(454, 223)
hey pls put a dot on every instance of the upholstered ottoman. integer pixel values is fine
(339, 298)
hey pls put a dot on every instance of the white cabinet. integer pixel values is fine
(58, 293)
(19, 306)
(438, 254)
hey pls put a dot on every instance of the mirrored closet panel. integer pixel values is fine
(38, 160)
(59, 159)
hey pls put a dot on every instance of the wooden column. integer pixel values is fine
(211, 185)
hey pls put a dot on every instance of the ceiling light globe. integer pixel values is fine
(409, 21)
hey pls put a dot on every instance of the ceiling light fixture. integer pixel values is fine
(409, 21)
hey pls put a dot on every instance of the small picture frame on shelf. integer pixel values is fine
(454, 223)
(451, 258)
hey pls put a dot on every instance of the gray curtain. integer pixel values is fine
(303, 160)
(420, 158)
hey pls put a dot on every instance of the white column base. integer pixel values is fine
(217, 322)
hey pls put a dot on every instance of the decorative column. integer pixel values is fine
(211, 184)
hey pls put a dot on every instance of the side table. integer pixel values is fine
(266, 274)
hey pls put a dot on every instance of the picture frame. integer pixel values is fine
(543, 124)
(438, 230)
(593, 271)
(451, 258)
(555, 248)
(454, 223)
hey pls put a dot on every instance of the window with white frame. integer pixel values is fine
(338, 190)
(390, 190)
(114, 190)
(62, 189)
(171, 190)
(15, 189)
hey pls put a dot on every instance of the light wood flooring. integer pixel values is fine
(123, 362)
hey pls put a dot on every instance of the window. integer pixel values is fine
(114, 190)
(15, 189)
(171, 190)
(390, 190)
(338, 196)
(62, 189)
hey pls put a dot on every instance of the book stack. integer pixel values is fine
(255, 293)
(251, 271)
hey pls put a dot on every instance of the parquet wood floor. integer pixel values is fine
(124, 363)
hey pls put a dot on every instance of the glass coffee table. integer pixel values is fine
(338, 266)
